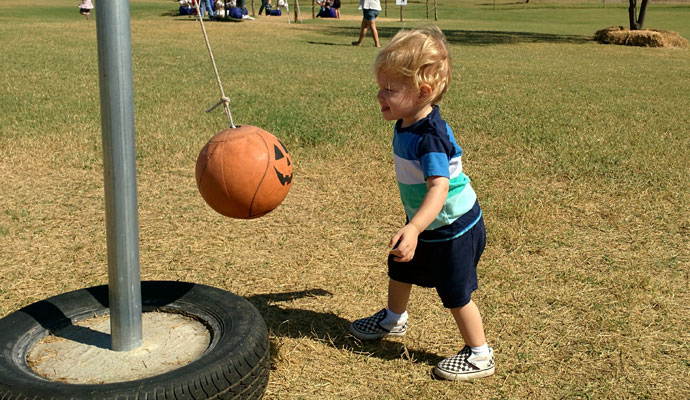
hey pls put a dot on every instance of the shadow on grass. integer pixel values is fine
(327, 328)
(463, 37)
(329, 43)
(521, 5)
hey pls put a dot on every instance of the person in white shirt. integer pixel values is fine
(85, 7)
(370, 10)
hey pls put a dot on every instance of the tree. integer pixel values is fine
(637, 21)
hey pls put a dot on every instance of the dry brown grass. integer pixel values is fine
(644, 37)
(571, 303)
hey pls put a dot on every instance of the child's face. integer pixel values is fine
(399, 99)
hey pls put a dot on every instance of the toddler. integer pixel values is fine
(444, 237)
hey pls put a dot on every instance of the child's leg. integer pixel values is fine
(398, 296)
(362, 32)
(476, 359)
(469, 322)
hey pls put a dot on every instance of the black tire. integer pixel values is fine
(236, 364)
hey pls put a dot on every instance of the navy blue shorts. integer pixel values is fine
(450, 266)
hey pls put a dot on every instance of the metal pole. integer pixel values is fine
(119, 172)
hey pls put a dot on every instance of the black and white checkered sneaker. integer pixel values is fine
(370, 328)
(465, 365)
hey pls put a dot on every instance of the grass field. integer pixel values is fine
(577, 150)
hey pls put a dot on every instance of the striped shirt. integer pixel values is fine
(428, 148)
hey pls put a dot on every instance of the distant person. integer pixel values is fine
(264, 6)
(85, 8)
(444, 236)
(237, 12)
(187, 7)
(336, 7)
(325, 9)
(218, 8)
(370, 10)
(206, 4)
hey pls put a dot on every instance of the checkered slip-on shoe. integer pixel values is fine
(465, 365)
(370, 328)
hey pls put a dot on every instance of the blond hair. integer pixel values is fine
(420, 56)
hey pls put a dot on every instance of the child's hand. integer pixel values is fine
(404, 243)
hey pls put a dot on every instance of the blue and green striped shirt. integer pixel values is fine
(428, 148)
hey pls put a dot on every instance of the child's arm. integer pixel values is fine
(406, 237)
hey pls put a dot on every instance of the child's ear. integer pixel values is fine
(424, 91)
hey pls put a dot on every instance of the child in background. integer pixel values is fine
(444, 237)
(85, 8)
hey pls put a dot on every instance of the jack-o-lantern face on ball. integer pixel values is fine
(244, 172)
(282, 163)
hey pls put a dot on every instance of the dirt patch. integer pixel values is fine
(644, 38)
(80, 353)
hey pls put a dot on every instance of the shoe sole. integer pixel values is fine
(373, 336)
(452, 376)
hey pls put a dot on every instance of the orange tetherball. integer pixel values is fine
(244, 172)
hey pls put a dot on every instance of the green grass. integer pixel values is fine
(577, 150)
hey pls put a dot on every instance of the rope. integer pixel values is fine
(225, 101)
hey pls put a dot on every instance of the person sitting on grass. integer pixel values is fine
(237, 10)
(445, 236)
(326, 10)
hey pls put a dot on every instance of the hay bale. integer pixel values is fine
(644, 37)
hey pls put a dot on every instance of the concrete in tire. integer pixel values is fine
(81, 353)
